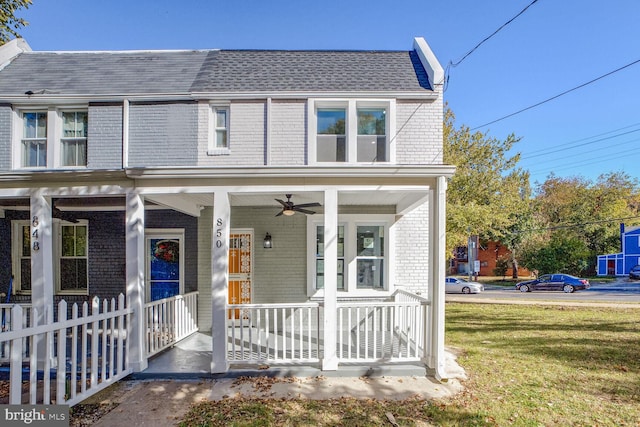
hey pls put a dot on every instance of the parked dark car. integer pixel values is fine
(554, 282)
(634, 273)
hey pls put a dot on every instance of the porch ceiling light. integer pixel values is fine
(267, 243)
(288, 212)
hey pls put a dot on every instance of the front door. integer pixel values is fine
(164, 263)
(240, 267)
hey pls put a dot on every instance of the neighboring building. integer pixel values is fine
(158, 173)
(488, 254)
(620, 263)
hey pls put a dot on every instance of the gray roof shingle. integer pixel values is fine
(215, 71)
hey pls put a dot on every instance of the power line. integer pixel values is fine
(558, 96)
(558, 227)
(579, 145)
(585, 138)
(455, 64)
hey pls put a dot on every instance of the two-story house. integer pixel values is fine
(619, 264)
(300, 194)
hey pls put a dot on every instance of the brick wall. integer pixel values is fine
(419, 132)
(104, 142)
(288, 133)
(163, 134)
(412, 249)
(5, 137)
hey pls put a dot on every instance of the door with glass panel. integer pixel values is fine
(164, 265)
(240, 268)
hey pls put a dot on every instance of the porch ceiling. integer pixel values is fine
(190, 203)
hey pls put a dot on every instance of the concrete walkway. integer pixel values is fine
(165, 402)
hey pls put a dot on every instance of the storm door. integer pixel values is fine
(164, 265)
(240, 267)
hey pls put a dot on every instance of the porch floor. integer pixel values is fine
(191, 359)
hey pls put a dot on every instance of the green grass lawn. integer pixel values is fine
(528, 366)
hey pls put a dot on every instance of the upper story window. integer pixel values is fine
(351, 131)
(331, 142)
(51, 139)
(219, 123)
(34, 139)
(74, 138)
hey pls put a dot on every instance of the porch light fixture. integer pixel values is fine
(267, 243)
(288, 212)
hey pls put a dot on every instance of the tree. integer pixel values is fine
(589, 212)
(488, 195)
(9, 23)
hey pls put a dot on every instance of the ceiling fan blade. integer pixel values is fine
(308, 205)
(304, 211)
(283, 203)
(279, 213)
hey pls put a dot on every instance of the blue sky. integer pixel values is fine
(553, 47)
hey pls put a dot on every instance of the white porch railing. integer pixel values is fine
(5, 312)
(81, 355)
(169, 320)
(389, 331)
(380, 331)
(273, 333)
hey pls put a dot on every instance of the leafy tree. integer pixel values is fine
(587, 211)
(502, 265)
(9, 23)
(560, 254)
(488, 195)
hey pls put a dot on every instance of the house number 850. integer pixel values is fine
(219, 232)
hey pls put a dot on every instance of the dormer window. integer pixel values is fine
(351, 131)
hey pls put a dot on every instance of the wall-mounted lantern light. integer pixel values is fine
(267, 243)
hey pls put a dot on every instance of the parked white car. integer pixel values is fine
(453, 285)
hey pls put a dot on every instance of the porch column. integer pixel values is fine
(219, 280)
(437, 231)
(135, 280)
(330, 360)
(42, 281)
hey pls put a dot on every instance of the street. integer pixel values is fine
(620, 291)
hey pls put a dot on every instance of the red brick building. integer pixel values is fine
(488, 254)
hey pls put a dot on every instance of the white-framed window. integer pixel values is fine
(363, 252)
(70, 255)
(34, 139)
(219, 124)
(351, 131)
(73, 258)
(51, 138)
(74, 138)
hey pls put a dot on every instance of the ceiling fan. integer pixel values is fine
(289, 208)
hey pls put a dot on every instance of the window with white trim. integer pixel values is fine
(74, 138)
(52, 138)
(351, 131)
(219, 123)
(34, 139)
(70, 252)
(73, 258)
(363, 257)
